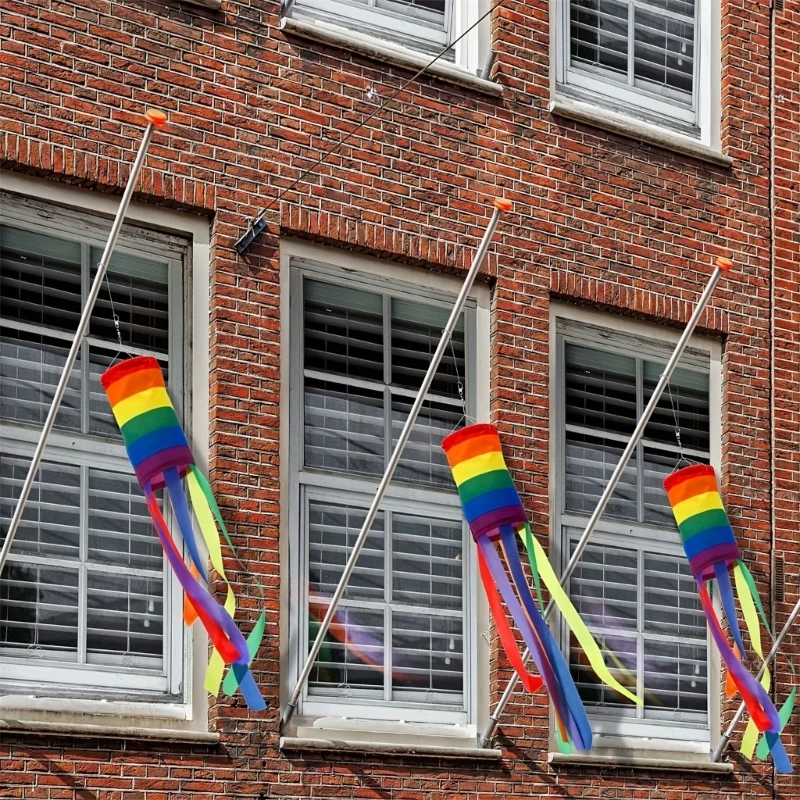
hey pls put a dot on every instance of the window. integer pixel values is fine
(633, 586)
(650, 58)
(422, 25)
(401, 645)
(85, 599)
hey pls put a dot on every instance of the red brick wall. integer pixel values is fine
(597, 219)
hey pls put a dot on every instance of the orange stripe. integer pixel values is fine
(132, 384)
(692, 488)
(473, 447)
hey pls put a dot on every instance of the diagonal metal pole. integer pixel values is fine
(155, 119)
(726, 737)
(722, 265)
(500, 205)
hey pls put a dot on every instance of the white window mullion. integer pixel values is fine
(83, 591)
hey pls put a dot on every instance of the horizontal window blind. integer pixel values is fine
(644, 45)
(398, 637)
(85, 579)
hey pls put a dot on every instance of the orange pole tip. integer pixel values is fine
(156, 117)
(501, 204)
(724, 264)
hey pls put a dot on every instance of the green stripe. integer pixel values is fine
(150, 421)
(715, 518)
(480, 484)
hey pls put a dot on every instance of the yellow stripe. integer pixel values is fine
(136, 404)
(478, 465)
(696, 505)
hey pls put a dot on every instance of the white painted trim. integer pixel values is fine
(637, 129)
(381, 50)
(122, 714)
(343, 262)
(631, 735)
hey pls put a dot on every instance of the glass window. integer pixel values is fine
(398, 639)
(635, 53)
(633, 586)
(84, 596)
(421, 25)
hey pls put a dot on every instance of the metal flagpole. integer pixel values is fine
(155, 119)
(500, 205)
(722, 265)
(723, 742)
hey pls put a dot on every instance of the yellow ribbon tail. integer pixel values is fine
(750, 614)
(208, 528)
(577, 625)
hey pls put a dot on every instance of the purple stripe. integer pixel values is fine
(703, 563)
(510, 515)
(155, 465)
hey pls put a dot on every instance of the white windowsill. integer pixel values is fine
(386, 51)
(289, 743)
(633, 129)
(629, 762)
(41, 728)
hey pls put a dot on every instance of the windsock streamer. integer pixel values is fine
(161, 458)
(495, 514)
(713, 554)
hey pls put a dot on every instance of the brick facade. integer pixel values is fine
(598, 219)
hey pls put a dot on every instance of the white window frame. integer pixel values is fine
(176, 706)
(354, 718)
(407, 28)
(623, 733)
(698, 120)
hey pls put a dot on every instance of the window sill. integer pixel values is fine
(82, 730)
(387, 52)
(288, 743)
(629, 762)
(633, 129)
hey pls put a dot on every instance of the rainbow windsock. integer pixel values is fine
(161, 458)
(713, 553)
(495, 513)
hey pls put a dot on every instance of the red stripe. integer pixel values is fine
(481, 429)
(126, 367)
(686, 474)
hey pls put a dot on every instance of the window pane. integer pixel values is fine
(138, 289)
(426, 562)
(671, 604)
(120, 529)
(50, 524)
(599, 34)
(344, 428)
(685, 399)
(600, 390)
(620, 652)
(30, 369)
(350, 663)
(589, 464)
(664, 51)
(416, 331)
(427, 658)
(604, 587)
(39, 610)
(333, 530)
(343, 331)
(124, 618)
(675, 680)
(423, 460)
(40, 279)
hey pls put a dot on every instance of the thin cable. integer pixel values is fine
(375, 113)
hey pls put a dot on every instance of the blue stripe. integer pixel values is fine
(155, 442)
(710, 538)
(491, 501)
